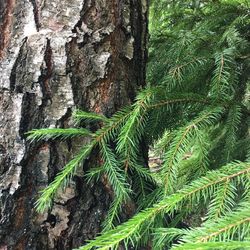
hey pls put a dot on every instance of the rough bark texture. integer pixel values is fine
(55, 56)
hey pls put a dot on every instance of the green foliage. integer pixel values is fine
(227, 245)
(234, 226)
(54, 133)
(62, 179)
(191, 196)
(192, 119)
(79, 116)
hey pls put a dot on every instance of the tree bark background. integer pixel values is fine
(55, 56)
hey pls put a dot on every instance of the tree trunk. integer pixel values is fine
(55, 56)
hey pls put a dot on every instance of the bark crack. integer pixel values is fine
(19, 58)
(36, 14)
(46, 74)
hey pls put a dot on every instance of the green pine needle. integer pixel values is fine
(55, 133)
(62, 179)
(192, 194)
(235, 226)
(228, 245)
(79, 115)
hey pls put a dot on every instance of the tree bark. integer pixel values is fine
(55, 56)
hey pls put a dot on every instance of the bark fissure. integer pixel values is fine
(19, 58)
(46, 74)
(36, 14)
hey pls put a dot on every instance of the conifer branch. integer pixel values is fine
(62, 179)
(115, 173)
(223, 201)
(108, 131)
(192, 194)
(79, 115)
(236, 225)
(224, 62)
(55, 133)
(170, 99)
(231, 126)
(227, 245)
(181, 143)
(116, 177)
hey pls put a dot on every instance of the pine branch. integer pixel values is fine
(177, 73)
(163, 237)
(54, 133)
(94, 174)
(195, 163)
(79, 115)
(236, 225)
(132, 131)
(193, 193)
(179, 98)
(109, 131)
(62, 179)
(116, 177)
(232, 126)
(228, 245)
(151, 199)
(225, 65)
(224, 200)
(105, 133)
(163, 142)
(181, 144)
(112, 216)
(115, 174)
(144, 183)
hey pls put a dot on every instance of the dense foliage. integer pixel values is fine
(192, 192)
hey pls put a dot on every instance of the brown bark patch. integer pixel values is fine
(6, 26)
(20, 213)
(21, 244)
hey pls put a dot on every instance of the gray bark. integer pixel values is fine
(56, 56)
